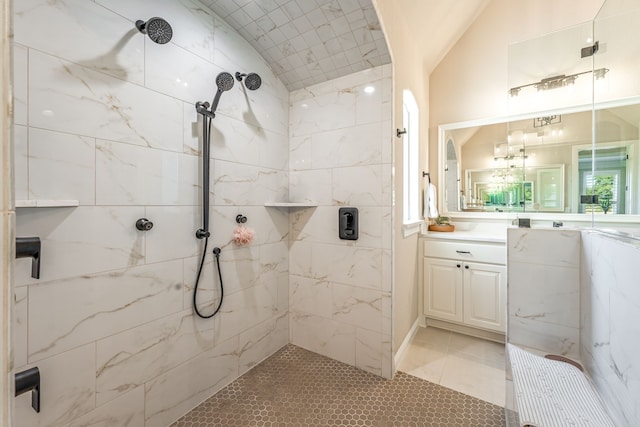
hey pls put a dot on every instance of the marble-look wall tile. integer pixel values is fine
(610, 304)
(300, 157)
(544, 290)
(20, 83)
(548, 295)
(323, 336)
(68, 97)
(350, 265)
(358, 185)
(352, 146)
(341, 84)
(192, 130)
(369, 102)
(245, 309)
(237, 184)
(92, 77)
(186, 77)
(387, 138)
(262, 341)
(300, 256)
(7, 227)
(131, 175)
(319, 225)
(68, 250)
(356, 306)
(61, 166)
(232, 140)
(68, 313)
(547, 247)
(177, 391)
(552, 339)
(269, 225)
(310, 296)
(312, 115)
(124, 411)
(176, 224)
(85, 33)
(129, 359)
(274, 151)
(369, 351)
(67, 381)
(274, 263)
(338, 161)
(261, 108)
(19, 336)
(311, 185)
(21, 162)
(191, 23)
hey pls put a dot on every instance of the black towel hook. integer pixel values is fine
(427, 175)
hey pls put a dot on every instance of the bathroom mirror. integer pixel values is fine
(544, 164)
(572, 134)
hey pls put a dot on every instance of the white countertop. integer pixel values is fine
(482, 232)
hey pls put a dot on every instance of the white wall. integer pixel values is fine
(408, 73)
(471, 81)
(340, 155)
(105, 116)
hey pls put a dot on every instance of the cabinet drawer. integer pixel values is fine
(477, 252)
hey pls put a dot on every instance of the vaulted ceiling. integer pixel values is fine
(312, 41)
(309, 41)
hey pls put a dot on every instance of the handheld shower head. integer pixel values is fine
(224, 81)
(157, 29)
(252, 81)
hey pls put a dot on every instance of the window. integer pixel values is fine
(411, 178)
(609, 182)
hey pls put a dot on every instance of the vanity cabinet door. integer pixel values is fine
(484, 296)
(443, 289)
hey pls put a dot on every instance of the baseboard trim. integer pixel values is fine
(467, 330)
(405, 343)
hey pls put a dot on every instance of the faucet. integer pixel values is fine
(29, 247)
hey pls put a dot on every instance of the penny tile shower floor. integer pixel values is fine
(296, 387)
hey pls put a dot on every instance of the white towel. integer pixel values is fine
(430, 209)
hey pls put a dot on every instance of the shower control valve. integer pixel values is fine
(143, 224)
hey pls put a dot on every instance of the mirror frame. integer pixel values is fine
(548, 216)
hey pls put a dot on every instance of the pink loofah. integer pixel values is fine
(243, 236)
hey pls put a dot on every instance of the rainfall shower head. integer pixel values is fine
(157, 29)
(252, 81)
(224, 81)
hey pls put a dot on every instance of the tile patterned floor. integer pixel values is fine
(466, 364)
(296, 387)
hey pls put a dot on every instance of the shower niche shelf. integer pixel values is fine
(43, 203)
(306, 204)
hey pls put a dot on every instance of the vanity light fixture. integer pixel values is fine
(561, 80)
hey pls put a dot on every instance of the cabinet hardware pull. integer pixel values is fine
(458, 265)
(466, 266)
(464, 252)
